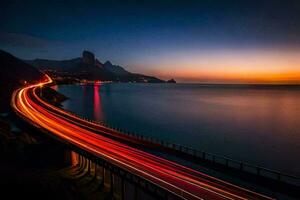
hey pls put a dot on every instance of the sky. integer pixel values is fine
(204, 41)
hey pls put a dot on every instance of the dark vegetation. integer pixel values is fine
(52, 96)
(14, 73)
(29, 164)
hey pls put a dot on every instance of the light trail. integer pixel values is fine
(175, 178)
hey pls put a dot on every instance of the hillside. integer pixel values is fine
(14, 73)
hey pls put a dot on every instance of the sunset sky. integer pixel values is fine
(191, 41)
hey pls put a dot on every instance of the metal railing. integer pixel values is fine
(210, 157)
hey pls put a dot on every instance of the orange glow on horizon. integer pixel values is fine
(231, 66)
(236, 77)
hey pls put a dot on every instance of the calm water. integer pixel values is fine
(258, 125)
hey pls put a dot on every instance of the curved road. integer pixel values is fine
(177, 179)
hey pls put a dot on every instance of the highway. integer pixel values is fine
(96, 139)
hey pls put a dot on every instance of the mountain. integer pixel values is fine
(91, 68)
(126, 76)
(85, 67)
(116, 69)
(14, 73)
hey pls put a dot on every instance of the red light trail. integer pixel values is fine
(175, 178)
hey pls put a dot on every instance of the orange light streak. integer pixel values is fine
(177, 179)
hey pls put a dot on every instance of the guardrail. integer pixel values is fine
(226, 161)
(140, 184)
(84, 163)
(210, 157)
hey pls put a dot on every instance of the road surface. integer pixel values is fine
(175, 178)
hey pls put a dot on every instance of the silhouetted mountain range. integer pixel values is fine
(117, 70)
(91, 68)
(15, 72)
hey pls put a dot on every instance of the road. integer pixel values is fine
(175, 178)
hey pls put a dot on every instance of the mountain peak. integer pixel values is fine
(88, 57)
(108, 63)
(98, 63)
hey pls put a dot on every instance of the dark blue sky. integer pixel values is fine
(139, 34)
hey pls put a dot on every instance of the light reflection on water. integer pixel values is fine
(254, 124)
(98, 113)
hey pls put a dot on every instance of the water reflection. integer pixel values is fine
(258, 125)
(54, 87)
(98, 114)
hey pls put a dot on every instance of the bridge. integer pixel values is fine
(97, 145)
